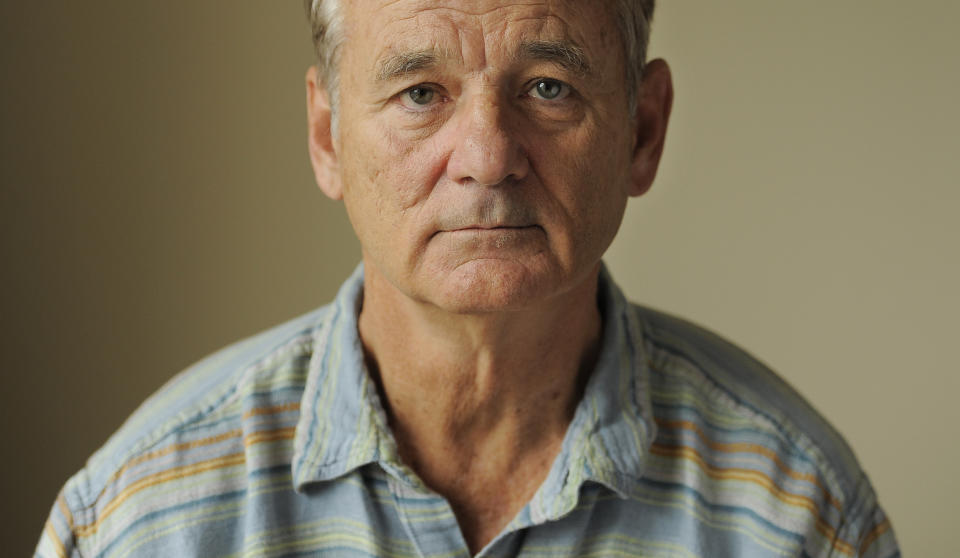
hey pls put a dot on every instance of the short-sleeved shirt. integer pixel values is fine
(682, 445)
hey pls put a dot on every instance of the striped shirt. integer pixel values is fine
(682, 445)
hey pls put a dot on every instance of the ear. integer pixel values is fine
(654, 101)
(323, 155)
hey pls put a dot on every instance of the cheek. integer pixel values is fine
(585, 174)
(592, 168)
(388, 180)
(401, 172)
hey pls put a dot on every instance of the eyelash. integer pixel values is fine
(566, 91)
(434, 89)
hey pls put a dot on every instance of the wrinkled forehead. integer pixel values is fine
(474, 31)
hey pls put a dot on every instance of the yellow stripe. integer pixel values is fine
(154, 535)
(159, 478)
(602, 545)
(236, 433)
(364, 543)
(167, 451)
(272, 410)
(156, 529)
(874, 535)
(300, 529)
(721, 521)
(760, 479)
(55, 540)
(65, 510)
(187, 470)
(269, 436)
(754, 449)
(755, 477)
(831, 533)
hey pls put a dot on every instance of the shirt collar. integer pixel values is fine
(342, 424)
(612, 429)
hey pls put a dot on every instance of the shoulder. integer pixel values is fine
(720, 410)
(206, 396)
(742, 384)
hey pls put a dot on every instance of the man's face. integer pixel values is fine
(484, 148)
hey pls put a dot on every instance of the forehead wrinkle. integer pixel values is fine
(548, 40)
(414, 43)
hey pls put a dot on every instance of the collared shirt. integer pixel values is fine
(682, 445)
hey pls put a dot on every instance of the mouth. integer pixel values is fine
(492, 228)
(489, 229)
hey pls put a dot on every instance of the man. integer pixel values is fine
(479, 386)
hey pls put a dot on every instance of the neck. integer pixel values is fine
(479, 404)
(458, 385)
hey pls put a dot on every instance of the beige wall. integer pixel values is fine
(807, 209)
(157, 203)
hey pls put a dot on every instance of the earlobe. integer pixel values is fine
(654, 103)
(323, 155)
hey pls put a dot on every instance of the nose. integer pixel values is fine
(486, 150)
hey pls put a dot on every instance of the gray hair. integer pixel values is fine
(326, 22)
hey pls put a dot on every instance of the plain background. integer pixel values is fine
(157, 203)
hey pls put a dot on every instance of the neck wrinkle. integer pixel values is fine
(503, 384)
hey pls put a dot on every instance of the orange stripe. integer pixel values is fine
(880, 529)
(759, 479)
(755, 477)
(272, 410)
(181, 447)
(62, 504)
(237, 433)
(755, 449)
(55, 540)
(269, 436)
(166, 451)
(831, 533)
(187, 470)
(158, 478)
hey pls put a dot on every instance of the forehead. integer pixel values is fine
(476, 30)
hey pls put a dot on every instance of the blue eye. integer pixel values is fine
(549, 90)
(417, 97)
(420, 95)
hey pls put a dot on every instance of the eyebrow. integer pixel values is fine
(405, 63)
(566, 54)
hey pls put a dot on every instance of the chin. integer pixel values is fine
(492, 285)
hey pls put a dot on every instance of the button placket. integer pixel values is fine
(428, 520)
